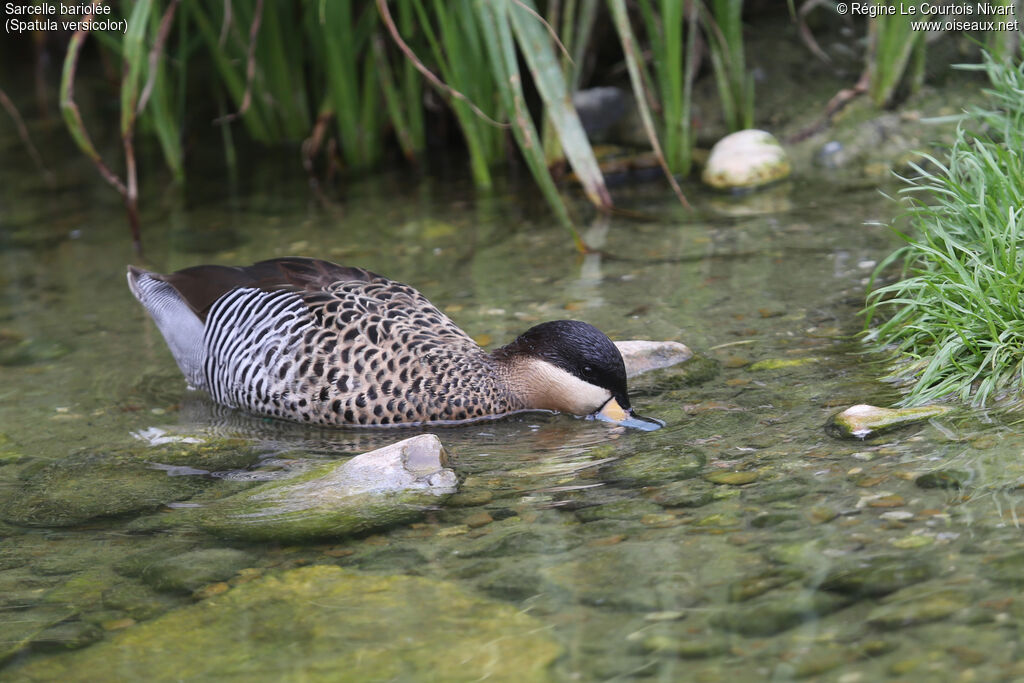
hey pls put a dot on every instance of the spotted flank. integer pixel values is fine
(314, 342)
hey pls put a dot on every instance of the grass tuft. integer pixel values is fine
(956, 317)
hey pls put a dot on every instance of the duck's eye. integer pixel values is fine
(587, 368)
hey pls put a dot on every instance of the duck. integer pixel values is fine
(311, 341)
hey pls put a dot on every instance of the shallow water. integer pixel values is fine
(741, 542)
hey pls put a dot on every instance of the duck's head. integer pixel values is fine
(572, 367)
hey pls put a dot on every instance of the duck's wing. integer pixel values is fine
(201, 286)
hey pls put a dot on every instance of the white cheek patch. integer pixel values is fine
(552, 388)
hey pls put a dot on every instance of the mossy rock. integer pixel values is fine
(379, 489)
(167, 570)
(878, 575)
(632, 575)
(32, 351)
(21, 626)
(779, 612)
(944, 479)
(213, 455)
(659, 467)
(320, 623)
(697, 370)
(862, 421)
(89, 485)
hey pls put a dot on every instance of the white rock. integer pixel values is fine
(387, 486)
(746, 159)
(643, 356)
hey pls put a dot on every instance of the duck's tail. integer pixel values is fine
(181, 327)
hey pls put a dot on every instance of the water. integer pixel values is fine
(741, 542)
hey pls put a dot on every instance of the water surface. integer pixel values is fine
(741, 542)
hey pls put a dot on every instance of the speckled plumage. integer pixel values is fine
(314, 342)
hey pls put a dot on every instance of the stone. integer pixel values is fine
(683, 494)
(67, 635)
(339, 625)
(697, 370)
(877, 575)
(732, 478)
(20, 627)
(819, 661)
(781, 363)
(514, 539)
(1008, 568)
(623, 509)
(686, 648)
(90, 485)
(631, 576)
(773, 614)
(944, 479)
(754, 586)
(745, 160)
(911, 607)
(375, 490)
(185, 572)
(659, 467)
(861, 421)
(642, 356)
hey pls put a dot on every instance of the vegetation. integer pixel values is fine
(956, 317)
(352, 79)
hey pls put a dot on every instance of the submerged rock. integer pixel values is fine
(861, 421)
(745, 160)
(659, 467)
(877, 576)
(944, 479)
(175, 572)
(334, 625)
(911, 607)
(88, 485)
(774, 614)
(387, 486)
(643, 356)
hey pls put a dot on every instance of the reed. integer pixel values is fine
(724, 27)
(892, 43)
(354, 76)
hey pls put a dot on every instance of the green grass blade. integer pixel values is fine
(535, 45)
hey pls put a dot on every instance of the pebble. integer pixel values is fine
(910, 542)
(897, 515)
(821, 515)
(732, 478)
(469, 498)
(118, 624)
(861, 421)
(745, 159)
(478, 520)
(893, 501)
(210, 590)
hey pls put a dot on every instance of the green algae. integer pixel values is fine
(862, 421)
(184, 572)
(89, 485)
(659, 466)
(341, 626)
(375, 490)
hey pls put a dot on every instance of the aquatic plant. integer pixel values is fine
(895, 46)
(352, 79)
(956, 316)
